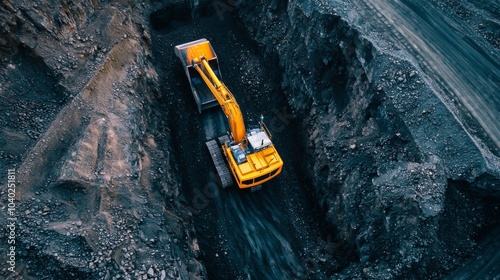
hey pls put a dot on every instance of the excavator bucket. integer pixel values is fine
(186, 53)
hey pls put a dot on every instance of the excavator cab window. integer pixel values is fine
(238, 154)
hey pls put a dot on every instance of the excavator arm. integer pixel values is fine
(225, 98)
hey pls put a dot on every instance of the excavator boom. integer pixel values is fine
(225, 98)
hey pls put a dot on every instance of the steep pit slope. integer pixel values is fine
(454, 55)
(404, 178)
(97, 196)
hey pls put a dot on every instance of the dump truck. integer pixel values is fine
(246, 155)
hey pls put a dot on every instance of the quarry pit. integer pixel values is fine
(391, 148)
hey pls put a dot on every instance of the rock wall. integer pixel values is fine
(97, 193)
(401, 183)
(398, 177)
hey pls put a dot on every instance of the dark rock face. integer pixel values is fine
(97, 195)
(390, 163)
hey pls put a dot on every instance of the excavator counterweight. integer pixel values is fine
(249, 154)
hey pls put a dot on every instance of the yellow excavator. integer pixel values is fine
(249, 153)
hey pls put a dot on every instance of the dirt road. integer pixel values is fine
(453, 56)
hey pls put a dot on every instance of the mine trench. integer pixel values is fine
(279, 232)
(380, 180)
(269, 234)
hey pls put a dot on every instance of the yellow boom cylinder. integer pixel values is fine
(225, 98)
